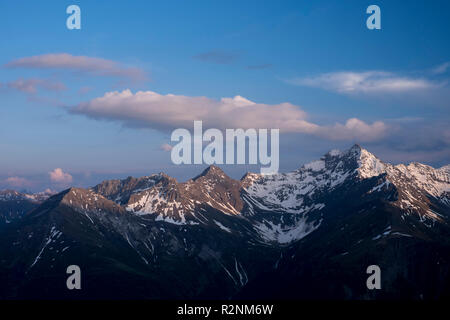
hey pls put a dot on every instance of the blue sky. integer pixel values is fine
(318, 56)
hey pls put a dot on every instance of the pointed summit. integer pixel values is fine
(367, 163)
(355, 150)
(333, 153)
(212, 172)
(356, 146)
(356, 157)
(86, 200)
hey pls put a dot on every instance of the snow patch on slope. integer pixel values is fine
(285, 234)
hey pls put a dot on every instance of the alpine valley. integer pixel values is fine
(306, 234)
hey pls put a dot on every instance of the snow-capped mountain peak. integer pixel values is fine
(368, 164)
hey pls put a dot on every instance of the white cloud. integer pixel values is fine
(166, 112)
(364, 82)
(96, 66)
(31, 85)
(59, 176)
(355, 130)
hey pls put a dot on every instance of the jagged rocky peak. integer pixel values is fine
(217, 189)
(435, 182)
(120, 190)
(355, 149)
(86, 200)
(430, 172)
(177, 202)
(212, 172)
(293, 191)
(213, 182)
(445, 168)
(248, 178)
(77, 196)
(162, 178)
(356, 158)
(353, 152)
(368, 164)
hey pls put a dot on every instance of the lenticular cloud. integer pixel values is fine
(91, 65)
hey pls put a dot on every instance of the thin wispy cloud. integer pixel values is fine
(85, 64)
(83, 90)
(165, 112)
(17, 182)
(31, 86)
(369, 82)
(442, 68)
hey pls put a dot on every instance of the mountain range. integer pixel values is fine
(306, 234)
